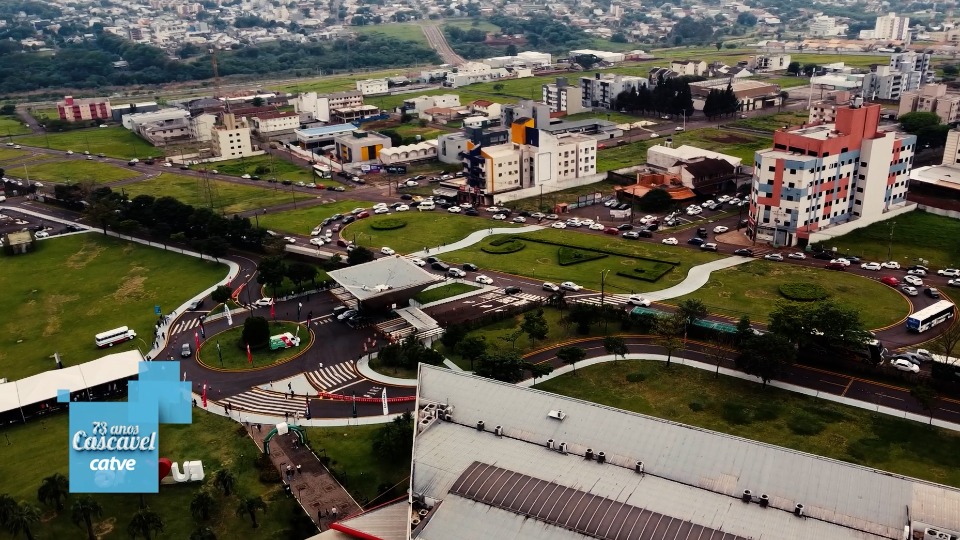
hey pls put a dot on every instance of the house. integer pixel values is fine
(373, 86)
(751, 94)
(694, 68)
(486, 108)
(230, 138)
(275, 123)
(768, 62)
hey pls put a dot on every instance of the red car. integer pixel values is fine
(612, 230)
(362, 215)
(890, 280)
(835, 266)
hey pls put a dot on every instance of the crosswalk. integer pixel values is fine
(331, 377)
(261, 401)
(608, 300)
(183, 326)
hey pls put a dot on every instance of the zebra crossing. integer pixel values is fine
(262, 401)
(183, 326)
(608, 300)
(331, 377)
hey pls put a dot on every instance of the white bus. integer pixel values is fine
(111, 337)
(930, 316)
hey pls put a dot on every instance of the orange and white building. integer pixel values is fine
(79, 110)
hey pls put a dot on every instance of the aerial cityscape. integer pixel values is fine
(459, 271)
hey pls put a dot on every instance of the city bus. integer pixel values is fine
(111, 337)
(930, 316)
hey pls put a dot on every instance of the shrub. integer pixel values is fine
(502, 246)
(869, 448)
(568, 256)
(636, 377)
(388, 224)
(767, 411)
(737, 413)
(256, 332)
(803, 292)
(826, 414)
(804, 423)
(697, 405)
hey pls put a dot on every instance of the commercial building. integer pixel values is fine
(932, 98)
(275, 123)
(750, 94)
(943, 179)
(530, 59)
(692, 68)
(697, 168)
(473, 72)
(318, 137)
(603, 56)
(373, 86)
(347, 115)
(230, 138)
(886, 83)
(826, 26)
(319, 107)
(824, 175)
(422, 103)
(768, 62)
(118, 111)
(360, 146)
(563, 98)
(889, 27)
(409, 153)
(602, 89)
(80, 110)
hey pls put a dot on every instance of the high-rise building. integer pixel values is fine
(231, 137)
(823, 175)
(561, 97)
(932, 98)
(906, 71)
(602, 90)
(889, 27)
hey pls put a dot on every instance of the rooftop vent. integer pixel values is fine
(550, 444)
(638, 467)
(480, 425)
(557, 414)
(563, 448)
(764, 500)
(498, 431)
(588, 454)
(747, 496)
(601, 457)
(798, 510)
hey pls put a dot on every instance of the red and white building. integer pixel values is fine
(828, 174)
(79, 110)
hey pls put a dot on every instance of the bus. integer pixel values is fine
(930, 316)
(111, 337)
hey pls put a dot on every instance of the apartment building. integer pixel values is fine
(319, 107)
(563, 98)
(768, 62)
(230, 138)
(601, 90)
(932, 98)
(826, 26)
(944, 179)
(275, 123)
(348, 115)
(906, 71)
(80, 110)
(373, 86)
(693, 68)
(820, 176)
(915, 65)
(889, 27)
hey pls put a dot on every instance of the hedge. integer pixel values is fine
(388, 224)
(648, 274)
(601, 250)
(567, 256)
(499, 247)
(803, 291)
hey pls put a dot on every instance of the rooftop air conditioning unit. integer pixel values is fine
(557, 414)
(601, 457)
(480, 425)
(588, 454)
(414, 522)
(747, 496)
(764, 500)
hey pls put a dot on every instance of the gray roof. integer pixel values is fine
(565, 125)
(691, 474)
(381, 276)
(387, 522)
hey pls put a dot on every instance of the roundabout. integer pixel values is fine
(225, 351)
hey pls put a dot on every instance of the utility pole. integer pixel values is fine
(890, 242)
(603, 278)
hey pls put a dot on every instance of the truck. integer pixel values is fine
(283, 341)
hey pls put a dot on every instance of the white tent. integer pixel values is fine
(44, 386)
(9, 397)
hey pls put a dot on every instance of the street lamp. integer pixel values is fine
(890, 241)
(603, 278)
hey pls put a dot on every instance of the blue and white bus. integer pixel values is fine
(930, 316)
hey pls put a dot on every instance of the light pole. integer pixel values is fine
(603, 278)
(890, 241)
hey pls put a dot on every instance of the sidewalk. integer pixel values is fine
(475, 237)
(697, 277)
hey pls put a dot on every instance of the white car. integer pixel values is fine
(723, 198)
(711, 202)
(894, 265)
(410, 183)
(402, 208)
(493, 209)
(597, 227)
(317, 231)
(587, 222)
(670, 241)
(871, 266)
(380, 205)
(290, 239)
(720, 229)
(909, 290)
(387, 251)
(537, 215)
(694, 211)
(356, 211)
(734, 201)
(37, 184)
(418, 261)
(559, 225)
(797, 255)
(498, 217)
(318, 241)
(949, 272)
(466, 206)
(573, 222)
(484, 279)
(69, 152)
(382, 210)
(263, 302)
(905, 365)
(41, 234)
(773, 257)
(552, 287)
(953, 282)
(16, 147)
(519, 219)
(840, 261)
(456, 273)
(245, 177)
(917, 272)
(454, 209)
(165, 164)
(570, 286)
(913, 280)
(637, 300)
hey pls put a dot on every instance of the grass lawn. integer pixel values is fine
(11, 125)
(393, 371)
(412, 130)
(540, 261)
(211, 439)
(772, 122)
(269, 167)
(79, 171)
(828, 57)
(113, 141)
(752, 289)
(336, 83)
(423, 229)
(45, 114)
(396, 31)
(350, 449)
(227, 197)
(443, 291)
(89, 284)
(786, 82)
(10, 154)
(916, 235)
(303, 220)
(740, 145)
(467, 24)
(235, 355)
(746, 409)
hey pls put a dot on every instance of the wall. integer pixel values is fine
(549, 187)
(939, 211)
(833, 232)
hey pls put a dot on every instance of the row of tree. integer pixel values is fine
(669, 96)
(721, 103)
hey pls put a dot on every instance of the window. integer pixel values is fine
(772, 168)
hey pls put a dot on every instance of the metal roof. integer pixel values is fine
(691, 474)
(326, 130)
(381, 276)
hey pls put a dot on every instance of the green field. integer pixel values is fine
(443, 291)
(752, 289)
(916, 235)
(10, 154)
(222, 196)
(541, 262)
(41, 451)
(396, 31)
(234, 352)
(746, 409)
(772, 122)
(786, 82)
(303, 220)
(269, 167)
(91, 284)
(423, 229)
(113, 141)
(740, 145)
(11, 125)
(79, 171)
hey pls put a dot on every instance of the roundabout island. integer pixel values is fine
(227, 350)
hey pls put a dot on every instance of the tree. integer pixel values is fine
(472, 348)
(744, 329)
(692, 310)
(535, 325)
(558, 300)
(747, 19)
(256, 333)
(224, 480)
(359, 255)
(947, 340)
(299, 272)
(203, 533)
(498, 87)
(250, 505)
(258, 101)
(913, 122)
(103, 210)
(144, 523)
(216, 247)
(22, 518)
(221, 294)
(619, 37)
(583, 316)
(511, 50)
(794, 68)
(202, 505)
(7, 507)
(571, 355)
(538, 370)
(719, 45)
(950, 70)
(84, 509)
(765, 356)
(54, 490)
(453, 334)
(803, 322)
(669, 331)
(616, 346)
(655, 200)
(506, 366)
(393, 442)
(270, 273)
(926, 396)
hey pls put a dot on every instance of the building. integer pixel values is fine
(118, 111)
(81, 110)
(886, 83)
(752, 94)
(529, 59)
(318, 137)
(825, 26)
(603, 56)
(889, 27)
(932, 98)
(164, 132)
(526, 108)
(485, 107)
(692, 68)
(768, 62)
(409, 153)
(601, 90)
(354, 115)
(360, 146)
(943, 179)
(380, 283)
(275, 123)
(133, 121)
(824, 175)
(451, 146)
(473, 72)
(373, 86)
(319, 107)
(19, 242)
(916, 66)
(230, 138)
(697, 168)
(563, 98)
(422, 103)
(824, 111)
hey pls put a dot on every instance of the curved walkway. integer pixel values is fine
(697, 277)
(476, 237)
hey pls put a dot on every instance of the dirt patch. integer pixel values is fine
(105, 527)
(88, 252)
(131, 288)
(53, 307)
(728, 138)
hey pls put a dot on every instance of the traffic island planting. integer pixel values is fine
(234, 351)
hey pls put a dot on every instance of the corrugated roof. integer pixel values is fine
(380, 276)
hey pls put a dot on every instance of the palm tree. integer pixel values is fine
(203, 533)
(83, 510)
(249, 506)
(202, 505)
(22, 517)
(7, 507)
(54, 489)
(224, 480)
(144, 522)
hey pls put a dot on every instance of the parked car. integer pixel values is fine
(954, 282)
(912, 357)
(631, 235)
(418, 261)
(625, 227)
(695, 241)
(745, 252)
(702, 232)
(196, 304)
(552, 287)
(905, 365)
(720, 229)
(949, 272)
(470, 267)
(823, 255)
(773, 257)
(797, 255)
(890, 280)
(41, 234)
(841, 260)
(670, 241)
(709, 246)
(892, 265)
(263, 302)
(645, 233)
(909, 290)
(483, 279)
(441, 266)
(559, 225)
(638, 300)
(513, 289)
(570, 286)
(871, 266)
(917, 272)
(347, 315)
(932, 292)
(387, 251)
(611, 231)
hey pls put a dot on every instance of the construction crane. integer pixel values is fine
(216, 78)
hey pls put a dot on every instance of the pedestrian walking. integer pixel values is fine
(333, 513)
(290, 385)
(299, 471)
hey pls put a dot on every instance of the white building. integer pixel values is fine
(945, 177)
(319, 107)
(889, 28)
(604, 56)
(133, 121)
(370, 87)
(275, 123)
(693, 68)
(768, 62)
(231, 138)
(664, 157)
(422, 103)
(473, 72)
(409, 153)
(825, 26)
(530, 59)
(561, 97)
(602, 89)
(906, 71)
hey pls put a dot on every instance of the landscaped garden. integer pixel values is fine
(419, 230)
(226, 197)
(79, 171)
(58, 297)
(444, 291)
(303, 220)
(113, 141)
(770, 415)
(232, 352)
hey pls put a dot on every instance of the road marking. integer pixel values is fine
(335, 390)
(847, 388)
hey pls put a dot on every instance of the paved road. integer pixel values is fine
(438, 42)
